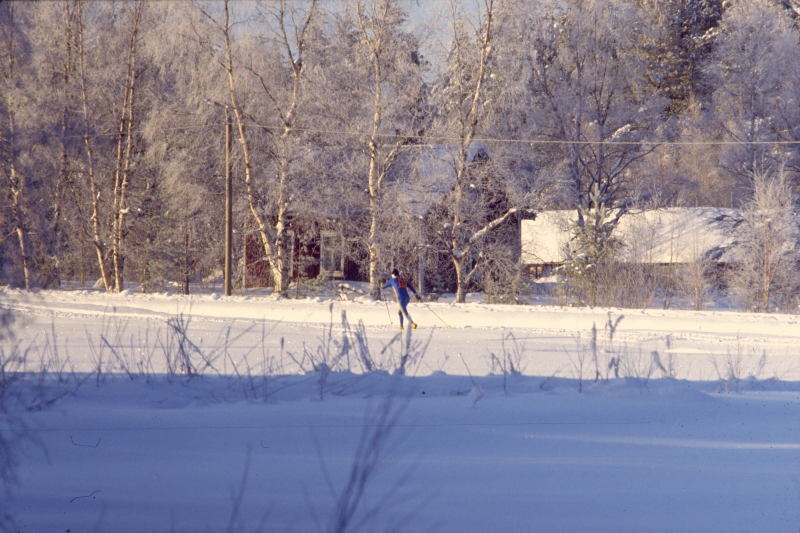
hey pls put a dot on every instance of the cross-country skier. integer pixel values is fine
(401, 287)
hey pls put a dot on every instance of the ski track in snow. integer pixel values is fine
(703, 345)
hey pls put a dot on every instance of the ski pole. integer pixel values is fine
(387, 309)
(434, 313)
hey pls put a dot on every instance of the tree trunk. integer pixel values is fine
(267, 234)
(374, 253)
(374, 182)
(17, 195)
(374, 274)
(16, 182)
(280, 263)
(122, 174)
(461, 278)
(97, 231)
(63, 169)
(461, 240)
(19, 223)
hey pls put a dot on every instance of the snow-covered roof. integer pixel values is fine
(662, 236)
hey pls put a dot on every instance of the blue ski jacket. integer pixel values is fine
(401, 288)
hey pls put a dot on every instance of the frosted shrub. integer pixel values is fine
(765, 277)
(696, 282)
(501, 281)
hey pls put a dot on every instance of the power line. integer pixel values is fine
(527, 141)
(435, 140)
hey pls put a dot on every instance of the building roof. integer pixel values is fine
(662, 236)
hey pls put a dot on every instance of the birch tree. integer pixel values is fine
(270, 68)
(108, 70)
(125, 144)
(465, 219)
(381, 86)
(94, 214)
(48, 119)
(13, 99)
(765, 277)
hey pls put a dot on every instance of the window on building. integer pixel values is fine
(331, 254)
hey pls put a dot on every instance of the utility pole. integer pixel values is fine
(421, 259)
(226, 276)
(186, 217)
(228, 204)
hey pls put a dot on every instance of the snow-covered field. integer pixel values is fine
(513, 418)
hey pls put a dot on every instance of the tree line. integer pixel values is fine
(363, 116)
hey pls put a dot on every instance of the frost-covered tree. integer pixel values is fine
(49, 119)
(376, 78)
(753, 69)
(181, 230)
(482, 198)
(682, 36)
(767, 273)
(35, 137)
(588, 84)
(696, 281)
(16, 134)
(109, 177)
(595, 113)
(267, 52)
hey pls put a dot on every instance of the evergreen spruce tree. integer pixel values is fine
(591, 250)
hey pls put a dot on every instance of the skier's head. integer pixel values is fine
(395, 273)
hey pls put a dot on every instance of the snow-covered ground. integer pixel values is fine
(655, 421)
(550, 340)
